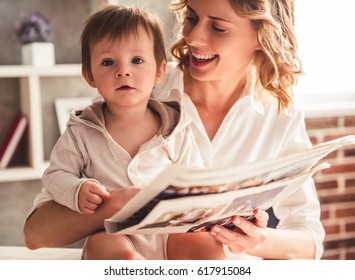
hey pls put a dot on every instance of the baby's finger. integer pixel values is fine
(87, 208)
(87, 211)
(94, 199)
(101, 191)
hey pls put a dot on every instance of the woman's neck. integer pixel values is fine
(214, 95)
(213, 100)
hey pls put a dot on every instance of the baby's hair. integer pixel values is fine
(114, 22)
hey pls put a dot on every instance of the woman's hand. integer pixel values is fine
(247, 236)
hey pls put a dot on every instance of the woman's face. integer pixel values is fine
(221, 44)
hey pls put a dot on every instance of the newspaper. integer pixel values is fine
(181, 199)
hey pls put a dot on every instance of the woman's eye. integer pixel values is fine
(191, 20)
(137, 60)
(108, 62)
(218, 30)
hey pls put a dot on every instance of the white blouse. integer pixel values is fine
(253, 130)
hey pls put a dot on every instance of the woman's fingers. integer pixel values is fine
(248, 235)
(261, 218)
(229, 238)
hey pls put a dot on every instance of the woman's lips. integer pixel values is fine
(200, 60)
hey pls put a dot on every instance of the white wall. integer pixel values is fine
(326, 36)
(160, 7)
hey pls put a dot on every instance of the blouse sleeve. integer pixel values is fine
(301, 210)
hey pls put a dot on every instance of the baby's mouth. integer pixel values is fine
(124, 88)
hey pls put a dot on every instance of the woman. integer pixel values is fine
(237, 67)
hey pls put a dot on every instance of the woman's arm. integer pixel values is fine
(286, 244)
(54, 225)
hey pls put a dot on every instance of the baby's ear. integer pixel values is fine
(160, 72)
(88, 78)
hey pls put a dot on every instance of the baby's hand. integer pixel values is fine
(91, 195)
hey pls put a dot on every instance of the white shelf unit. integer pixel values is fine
(30, 94)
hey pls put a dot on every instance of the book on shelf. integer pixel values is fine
(12, 140)
(181, 199)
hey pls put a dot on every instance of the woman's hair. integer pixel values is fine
(277, 63)
(119, 22)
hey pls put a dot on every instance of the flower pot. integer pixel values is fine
(38, 54)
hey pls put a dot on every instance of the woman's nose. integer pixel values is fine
(196, 35)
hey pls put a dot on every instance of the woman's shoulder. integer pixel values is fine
(172, 79)
(269, 105)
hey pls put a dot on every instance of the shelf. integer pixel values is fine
(59, 70)
(30, 81)
(13, 174)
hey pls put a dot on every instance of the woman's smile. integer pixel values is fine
(199, 60)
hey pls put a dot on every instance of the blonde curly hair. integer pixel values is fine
(277, 63)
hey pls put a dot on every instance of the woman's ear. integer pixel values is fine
(257, 44)
(257, 47)
(88, 78)
(160, 72)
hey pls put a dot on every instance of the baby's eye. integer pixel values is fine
(136, 60)
(108, 62)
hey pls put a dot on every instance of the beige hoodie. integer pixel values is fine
(86, 151)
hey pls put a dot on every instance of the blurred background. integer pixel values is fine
(325, 30)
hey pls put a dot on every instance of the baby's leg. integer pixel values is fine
(103, 246)
(194, 246)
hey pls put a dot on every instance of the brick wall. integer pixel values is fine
(336, 187)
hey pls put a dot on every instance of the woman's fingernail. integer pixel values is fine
(216, 229)
(237, 221)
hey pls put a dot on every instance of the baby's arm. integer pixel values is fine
(91, 195)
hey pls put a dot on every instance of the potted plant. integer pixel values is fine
(35, 35)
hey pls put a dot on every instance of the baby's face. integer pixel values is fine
(124, 69)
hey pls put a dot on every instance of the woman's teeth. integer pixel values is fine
(202, 57)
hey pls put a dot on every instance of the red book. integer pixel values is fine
(12, 140)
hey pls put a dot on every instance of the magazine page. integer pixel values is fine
(199, 212)
(178, 180)
(267, 170)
